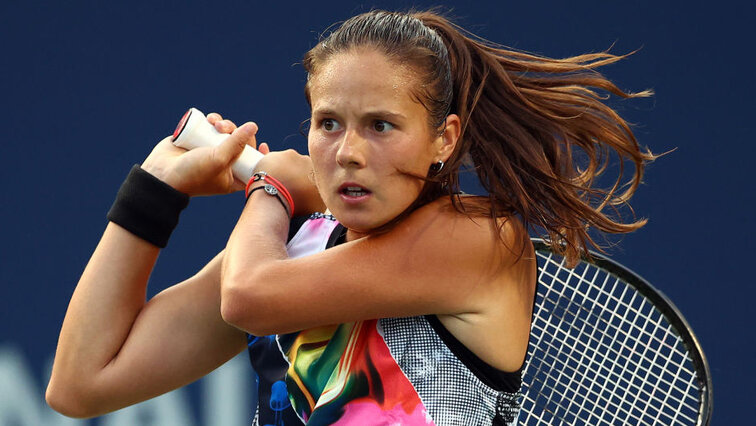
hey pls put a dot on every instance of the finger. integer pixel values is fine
(230, 149)
(263, 148)
(225, 126)
(214, 117)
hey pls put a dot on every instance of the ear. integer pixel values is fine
(445, 143)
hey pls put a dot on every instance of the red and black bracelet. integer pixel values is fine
(272, 187)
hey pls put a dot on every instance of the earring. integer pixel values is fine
(436, 167)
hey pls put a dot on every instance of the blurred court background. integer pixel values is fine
(88, 87)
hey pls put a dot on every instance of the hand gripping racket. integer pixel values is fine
(194, 131)
(607, 348)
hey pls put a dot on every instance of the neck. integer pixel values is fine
(352, 235)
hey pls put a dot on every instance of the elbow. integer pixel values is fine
(67, 401)
(230, 308)
(246, 308)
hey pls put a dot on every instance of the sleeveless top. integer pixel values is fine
(390, 371)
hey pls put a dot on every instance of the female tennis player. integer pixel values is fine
(367, 287)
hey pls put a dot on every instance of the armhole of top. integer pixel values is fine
(338, 236)
(294, 224)
(492, 377)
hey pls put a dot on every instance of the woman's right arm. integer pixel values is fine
(115, 349)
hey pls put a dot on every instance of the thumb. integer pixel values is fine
(230, 149)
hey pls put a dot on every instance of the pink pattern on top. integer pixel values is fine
(365, 383)
(356, 413)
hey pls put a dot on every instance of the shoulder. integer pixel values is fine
(498, 270)
(505, 237)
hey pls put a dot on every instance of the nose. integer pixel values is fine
(351, 152)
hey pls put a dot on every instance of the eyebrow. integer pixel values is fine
(387, 114)
(377, 113)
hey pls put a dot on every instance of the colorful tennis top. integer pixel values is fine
(391, 371)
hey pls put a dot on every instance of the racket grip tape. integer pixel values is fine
(194, 131)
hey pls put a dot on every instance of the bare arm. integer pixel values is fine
(432, 262)
(436, 261)
(116, 349)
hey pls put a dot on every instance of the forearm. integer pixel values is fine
(112, 346)
(111, 291)
(104, 306)
(257, 242)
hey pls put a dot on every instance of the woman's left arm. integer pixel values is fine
(435, 261)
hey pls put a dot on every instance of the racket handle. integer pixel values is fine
(194, 131)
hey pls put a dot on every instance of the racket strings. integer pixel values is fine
(621, 297)
(585, 388)
(601, 353)
(626, 326)
(583, 278)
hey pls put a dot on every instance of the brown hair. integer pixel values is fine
(535, 129)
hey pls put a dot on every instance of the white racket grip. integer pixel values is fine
(194, 131)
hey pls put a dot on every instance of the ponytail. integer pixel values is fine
(534, 129)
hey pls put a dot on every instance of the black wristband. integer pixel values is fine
(147, 207)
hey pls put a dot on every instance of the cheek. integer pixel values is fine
(315, 147)
(320, 157)
(419, 152)
(413, 161)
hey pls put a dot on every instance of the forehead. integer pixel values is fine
(363, 78)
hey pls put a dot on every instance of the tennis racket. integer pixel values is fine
(607, 348)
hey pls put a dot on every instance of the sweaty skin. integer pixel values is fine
(366, 128)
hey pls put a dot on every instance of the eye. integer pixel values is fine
(330, 125)
(381, 126)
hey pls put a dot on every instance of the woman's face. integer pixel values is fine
(367, 133)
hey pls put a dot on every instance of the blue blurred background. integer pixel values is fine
(89, 87)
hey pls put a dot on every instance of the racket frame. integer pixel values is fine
(665, 307)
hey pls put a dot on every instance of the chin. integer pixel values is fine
(356, 225)
(358, 222)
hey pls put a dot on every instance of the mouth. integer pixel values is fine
(353, 190)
